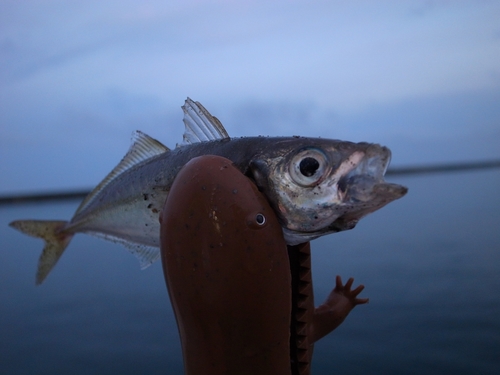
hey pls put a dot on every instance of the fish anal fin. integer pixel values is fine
(143, 147)
(200, 125)
(56, 241)
(146, 255)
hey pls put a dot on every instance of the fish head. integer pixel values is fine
(318, 186)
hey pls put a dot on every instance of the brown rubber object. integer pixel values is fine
(227, 272)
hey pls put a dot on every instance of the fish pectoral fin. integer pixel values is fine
(143, 147)
(56, 241)
(200, 125)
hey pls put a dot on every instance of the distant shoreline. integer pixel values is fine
(395, 171)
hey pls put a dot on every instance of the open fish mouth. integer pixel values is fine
(363, 190)
(344, 195)
(367, 169)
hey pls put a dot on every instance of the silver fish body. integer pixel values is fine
(316, 186)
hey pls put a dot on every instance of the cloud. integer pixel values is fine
(352, 55)
(87, 73)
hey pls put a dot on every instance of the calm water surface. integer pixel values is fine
(430, 263)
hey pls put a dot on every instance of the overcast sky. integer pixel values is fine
(76, 78)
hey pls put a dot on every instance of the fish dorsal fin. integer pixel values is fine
(142, 148)
(200, 125)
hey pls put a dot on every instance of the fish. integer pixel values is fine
(315, 186)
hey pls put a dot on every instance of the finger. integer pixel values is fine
(358, 290)
(338, 283)
(348, 284)
(361, 301)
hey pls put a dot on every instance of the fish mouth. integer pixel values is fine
(362, 188)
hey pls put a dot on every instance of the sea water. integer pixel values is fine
(430, 263)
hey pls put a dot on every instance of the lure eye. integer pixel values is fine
(308, 167)
(260, 219)
(256, 221)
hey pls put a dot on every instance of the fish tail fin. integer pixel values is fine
(56, 241)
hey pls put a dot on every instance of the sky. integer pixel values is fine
(76, 78)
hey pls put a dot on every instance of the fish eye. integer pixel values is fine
(308, 167)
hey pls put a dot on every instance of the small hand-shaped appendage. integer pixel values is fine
(335, 309)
